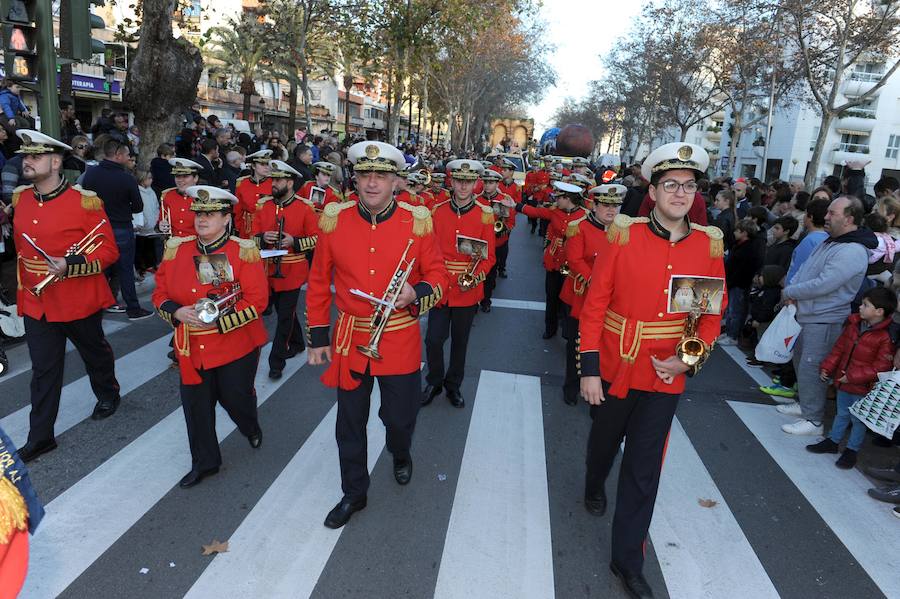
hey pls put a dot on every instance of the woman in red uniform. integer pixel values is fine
(217, 354)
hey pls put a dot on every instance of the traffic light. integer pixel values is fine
(19, 34)
(83, 21)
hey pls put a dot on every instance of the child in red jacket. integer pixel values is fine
(862, 351)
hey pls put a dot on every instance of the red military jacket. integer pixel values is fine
(55, 222)
(556, 231)
(498, 208)
(536, 181)
(474, 220)
(332, 194)
(178, 207)
(178, 284)
(584, 245)
(248, 191)
(359, 250)
(301, 222)
(442, 195)
(625, 317)
(410, 198)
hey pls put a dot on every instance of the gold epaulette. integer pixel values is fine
(618, 230)
(572, 228)
(172, 245)
(438, 205)
(422, 224)
(239, 179)
(337, 192)
(328, 220)
(89, 199)
(249, 249)
(13, 510)
(716, 243)
(17, 192)
(167, 190)
(487, 214)
(261, 201)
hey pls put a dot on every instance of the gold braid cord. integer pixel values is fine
(329, 219)
(172, 245)
(249, 250)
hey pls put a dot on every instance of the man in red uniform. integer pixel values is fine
(217, 350)
(509, 187)
(248, 191)
(461, 223)
(632, 328)
(294, 219)
(175, 215)
(587, 239)
(537, 183)
(55, 216)
(438, 192)
(506, 217)
(568, 208)
(384, 260)
(415, 184)
(323, 170)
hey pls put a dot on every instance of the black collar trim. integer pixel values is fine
(460, 210)
(379, 218)
(46, 197)
(660, 231)
(593, 220)
(214, 246)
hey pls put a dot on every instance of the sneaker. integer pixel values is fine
(776, 380)
(803, 427)
(847, 460)
(789, 409)
(886, 474)
(726, 340)
(779, 391)
(890, 494)
(115, 309)
(139, 314)
(826, 445)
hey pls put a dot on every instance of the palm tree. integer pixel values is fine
(238, 50)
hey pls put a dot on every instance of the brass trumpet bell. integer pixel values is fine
(209, 310)
(691, 350)
(499, 226)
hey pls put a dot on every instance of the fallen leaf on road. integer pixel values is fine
(215, 547)
(707, 503)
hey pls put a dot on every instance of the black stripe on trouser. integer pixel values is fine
(572, 383)
(643, 418)
(230, 385)
(47, 349)
(287, 331)
(553, 282)
(490, 282)
(455, 323)
(400, 400)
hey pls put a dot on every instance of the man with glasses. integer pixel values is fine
(632, 366)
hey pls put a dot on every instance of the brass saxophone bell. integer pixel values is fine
(691, 350)
(499, 226)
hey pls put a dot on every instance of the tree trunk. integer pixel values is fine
(161, 62)
(737, 129)
(292, 106)
(684, 132)
(390, 92)
(245, 107)
(304, 83)
(348, 83)
(399, 93)
(809, 180)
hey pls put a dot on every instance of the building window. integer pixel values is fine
(893, 147)
(342, 106)
(115, 56)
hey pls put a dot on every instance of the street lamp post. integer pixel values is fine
(110, 76)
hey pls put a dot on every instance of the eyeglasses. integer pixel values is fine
(671, 186)
(81, 147)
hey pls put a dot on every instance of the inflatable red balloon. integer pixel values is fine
(575, 140)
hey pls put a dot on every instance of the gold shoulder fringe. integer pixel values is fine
(487, 214)
(167, 190)
(328, 220)
(262, 201)
(438, 205)
(716, 239)
(337, 192)
(172, 245)
(618, 231)
(422, 224)
(13, 511)
(17, 192)
(249, 250)
(89, 199)
(572, 229)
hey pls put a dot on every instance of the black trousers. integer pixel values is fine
(455, 323)
(288, 337)
(643, 419)
(553, 282)
(531, 220)
(572, 384)
(542, 227)
(47, 349)
(490, 282)
(400, 400)
(230, 385)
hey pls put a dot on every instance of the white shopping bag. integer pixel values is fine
(777, 343)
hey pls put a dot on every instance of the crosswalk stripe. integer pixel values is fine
(839, 496)
(498, 538)
(78, 528)
(77, 400)
(281, 547)
(19, 360)
(517, 304)
(702, 551)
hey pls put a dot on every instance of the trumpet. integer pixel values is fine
(467, 280)
(87, 245)
(385, 307)
(209, 310)
(500, 228)
(167, 216)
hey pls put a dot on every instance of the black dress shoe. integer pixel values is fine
(502, 273)
(485, 307)
(341, 513)
(635, 584)
(595, 503)
(548, 335)
(429, 393)
(33, 449)
(274, 374)
(194, 477)
(255, 439)
(403, 471)
(105, 408)
(456, 398)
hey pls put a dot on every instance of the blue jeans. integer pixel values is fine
(124, 268)
(844, 418)
(736, 312)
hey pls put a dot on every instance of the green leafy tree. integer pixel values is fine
(237, 50)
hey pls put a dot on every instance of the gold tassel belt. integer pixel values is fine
(662, 329)
(289, 259)
(397, 321)
(456, 267)
(183, 345)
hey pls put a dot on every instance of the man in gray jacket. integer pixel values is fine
(822, 290)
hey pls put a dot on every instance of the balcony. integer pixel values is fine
(856, 121)
(856, 83)
(846, 152)
(714, 134)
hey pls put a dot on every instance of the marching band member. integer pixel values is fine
(374, 248)
(458, 222)
(248, 191)
(504, 221)
(286, 221)
(211, 288)
(323, 170)
(509, 187)
(62, 290)
(636, 336)
(586, 241)
(438, 192)
(175, 215)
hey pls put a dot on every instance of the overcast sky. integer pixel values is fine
(583, 30)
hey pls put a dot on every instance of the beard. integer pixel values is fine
(281, 194)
